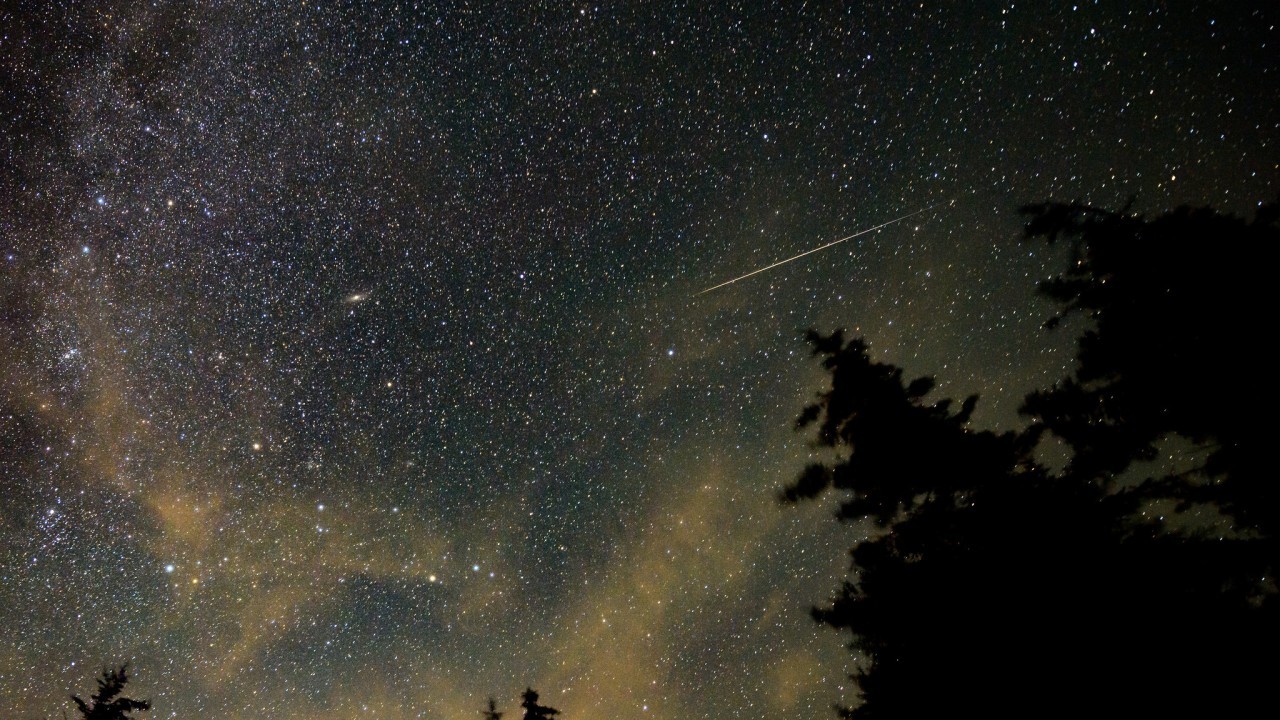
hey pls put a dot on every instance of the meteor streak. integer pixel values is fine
(821, 247)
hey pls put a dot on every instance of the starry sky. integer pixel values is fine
(350, 364)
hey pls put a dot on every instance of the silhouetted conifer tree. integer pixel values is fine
(1174, 347)
(107, 703)
(992, 587)
(534, 711)
(492, 713)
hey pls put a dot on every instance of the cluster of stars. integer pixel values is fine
(355, 340)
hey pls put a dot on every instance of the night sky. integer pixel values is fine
(350, 364)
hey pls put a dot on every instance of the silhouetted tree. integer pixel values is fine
(534, 711)
(107, 703)
(993, 587)
(492, 713)
(1173, 348)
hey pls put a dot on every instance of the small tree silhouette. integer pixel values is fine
(534, 711)
(492, 713)
(106, 704)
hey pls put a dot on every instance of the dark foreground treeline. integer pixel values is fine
(110, 702)
(1138, 580)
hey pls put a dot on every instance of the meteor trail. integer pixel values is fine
(822, 247)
